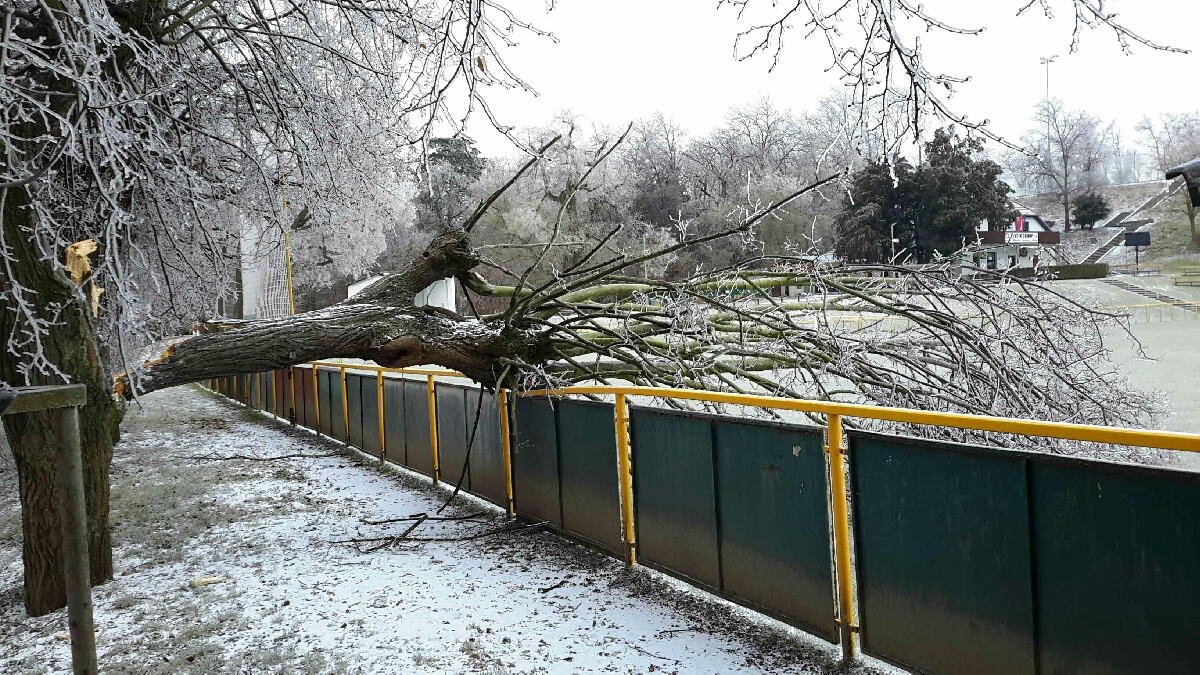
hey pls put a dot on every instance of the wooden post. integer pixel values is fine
(65, 401)
(72, 513)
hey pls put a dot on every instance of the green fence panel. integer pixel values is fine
(416, 427)
(942, 554)
(304, 391)
(354, 410)
(287, 407)
(774, 515)
(1117, 560)
(536, 489)
(255, 396)
(393, 421)
(337, 416)
(370, 415)
(327, 384)
(302, 411)
(268, 389)
(675, 494)
(487, 460)
(452, 435)
(591, 502)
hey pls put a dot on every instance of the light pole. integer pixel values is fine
(1046, 61)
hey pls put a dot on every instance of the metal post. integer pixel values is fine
(621, 422)
(379, 400)
(345, 409)
(433, 436)
(506, 451)
(317, 398)
(72, 513)
(258, 397)
(841, 538)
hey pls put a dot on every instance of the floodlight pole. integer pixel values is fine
(1046, 61)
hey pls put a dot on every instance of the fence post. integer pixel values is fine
(72, 513)
(841, 538)
(379, 401)
(63, 403)
(345, 408)
(316, 399)
(506, 450)
(621, 421)
(274, 395)
(258, 397)
(433, 435)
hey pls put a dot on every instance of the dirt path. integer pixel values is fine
(289, 600)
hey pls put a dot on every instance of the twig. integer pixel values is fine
(555, 586)
(250, 458)
(387, 542)
(422, 516)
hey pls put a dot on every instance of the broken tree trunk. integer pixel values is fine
(381, 324)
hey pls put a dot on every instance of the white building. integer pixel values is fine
(1025, 244)
(438, 294)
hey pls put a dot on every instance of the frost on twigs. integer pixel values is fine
(184, 140)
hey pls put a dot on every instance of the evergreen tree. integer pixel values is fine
(1090, 208)
(931, 210)
(451, 167)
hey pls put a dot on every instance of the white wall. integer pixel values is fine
(438, 294)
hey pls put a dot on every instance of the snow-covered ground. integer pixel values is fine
(285, 597)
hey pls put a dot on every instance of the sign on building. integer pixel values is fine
(1020, 237)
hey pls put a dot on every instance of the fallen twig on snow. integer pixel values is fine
(423, 516)
(390, 541)
(254, 458)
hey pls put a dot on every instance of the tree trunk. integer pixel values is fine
(381, 324)
(71, 345)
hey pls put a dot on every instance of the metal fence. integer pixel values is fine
(965, 559)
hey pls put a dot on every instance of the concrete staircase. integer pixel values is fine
(1147, 293)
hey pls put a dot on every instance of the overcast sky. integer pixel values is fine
(621, 60)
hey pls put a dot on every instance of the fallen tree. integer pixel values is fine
(158, 128)
(917, 337)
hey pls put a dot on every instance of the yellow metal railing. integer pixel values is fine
(834, 414)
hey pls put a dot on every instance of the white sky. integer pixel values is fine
(620, 60)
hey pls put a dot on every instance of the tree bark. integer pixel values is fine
(71, 345)
(381, 324)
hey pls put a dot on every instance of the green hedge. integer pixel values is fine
(1088, 271)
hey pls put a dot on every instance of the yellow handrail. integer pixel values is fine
(376, 369)
(1168, 440)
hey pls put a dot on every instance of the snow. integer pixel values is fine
(289, 599)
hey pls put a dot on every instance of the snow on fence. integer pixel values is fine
(965, 558)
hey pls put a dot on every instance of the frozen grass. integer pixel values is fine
(290, 601)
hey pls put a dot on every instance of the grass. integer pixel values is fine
(1170, 235)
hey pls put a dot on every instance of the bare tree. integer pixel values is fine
(1171, 139)
(1067, 149)
(876, 50)
(154, 128)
